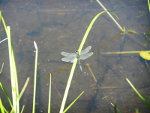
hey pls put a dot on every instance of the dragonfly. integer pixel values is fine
(84, 54)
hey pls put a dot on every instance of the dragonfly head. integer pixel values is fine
(78, 55)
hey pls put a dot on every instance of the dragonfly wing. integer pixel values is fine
(68, 54)
(68, 59)
(85, 56)
(86, 50)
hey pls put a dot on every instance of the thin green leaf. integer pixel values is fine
(139, 95)
(13, 73)
(105, 9)
(49, 100)
(35, 76)
(116, 110)
(6, 95)
(72, 103)
(1, 107)
(3, 40)
(3, 21)
(75, 61)
(22, 109)
(1, 70)
(24, 87)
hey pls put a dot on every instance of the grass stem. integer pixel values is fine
(1, 70)
(139, 95)
(35, 77)
(118, 25)
(24, 87)
(49, 100)
(92, 74)
(73, 102)
(75, 62)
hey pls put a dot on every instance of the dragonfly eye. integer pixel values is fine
(77, 53)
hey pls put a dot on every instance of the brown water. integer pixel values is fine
(59, 26)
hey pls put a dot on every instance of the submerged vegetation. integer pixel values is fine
(144, 54)
(16, 94)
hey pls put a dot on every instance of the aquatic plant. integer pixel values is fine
(73, 102)
(13, 71)
(16, 96)
(144, 54)
(50, 87)
(115, 21)
(116, 109)
(90, 70)
(35, 76)
(139, 95)
(123, 29)
(75, 61)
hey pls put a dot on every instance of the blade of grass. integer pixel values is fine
(1, 70)
(116, 110)
(3, 40)
(139, 95)
(2, 108)
(49, 100)
(118, 25)
(6, 95)
(35, 76)
(24, 87)
(3, 21)
(123, 52)
(13, 73)
(72, 103)
(75, 62)
(22, 109)
(92, 74)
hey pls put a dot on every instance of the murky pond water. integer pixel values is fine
(59, 25)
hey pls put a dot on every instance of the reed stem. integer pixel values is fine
(118, 25)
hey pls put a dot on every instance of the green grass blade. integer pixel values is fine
(116, 110)
(6, 95)
(3, 40)
(1, 70)
(139, 95)
(75, 62)
(35, 76)
(1, 107)
(22, 109)
(72, 103)
(118, 25)
(24, 87)
(3, 21)
(13, 73)
(88, 30)
(49, 100)
(92, 73)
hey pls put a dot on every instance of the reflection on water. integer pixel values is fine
(60, 25)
